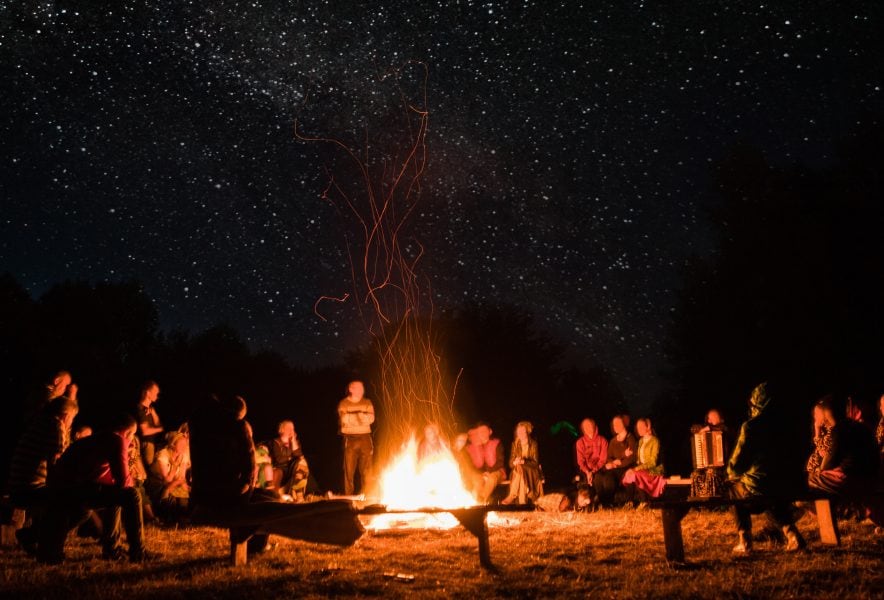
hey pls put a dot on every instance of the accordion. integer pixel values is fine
(708, 450)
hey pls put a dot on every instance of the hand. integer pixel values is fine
(609, 465)
(628, 452)
(707, 429)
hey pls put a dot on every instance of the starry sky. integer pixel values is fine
(570, 151)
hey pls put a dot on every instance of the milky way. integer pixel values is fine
(570, 151)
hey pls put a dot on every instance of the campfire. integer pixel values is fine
(408, 484)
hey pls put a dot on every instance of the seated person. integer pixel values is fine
(224, 492)
(822, 440)
(432, 444)
(526, 479)
(290, 470)
(592, 453)
(647, 474)
(94, 474)
(849, 467)
(621, 456)
(483, 467)
(264, 464)
(46, 437)
(756, 468)
(167, 482)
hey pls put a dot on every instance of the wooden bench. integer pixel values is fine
(473, 519)
(674, 510)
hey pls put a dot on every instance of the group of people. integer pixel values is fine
(210, 468)
(131, 472)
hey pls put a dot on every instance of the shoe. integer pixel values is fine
(507, 501)
(744, 545)
(143, 555)
(794, 540)
(114, 554)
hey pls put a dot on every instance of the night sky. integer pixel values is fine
(570, 151)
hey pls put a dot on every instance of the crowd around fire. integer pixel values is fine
(136, 471)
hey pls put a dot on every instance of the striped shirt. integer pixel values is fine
(42, 442)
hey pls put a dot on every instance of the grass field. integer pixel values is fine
(608, 554)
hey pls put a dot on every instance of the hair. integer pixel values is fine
(173, 437)
(238, 407)
(147, 386)
(282, 425)
(62, 405)
(121, 422)
(53, 379)
(623, 419)
(527, 425)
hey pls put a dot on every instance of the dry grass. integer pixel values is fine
(607, 554)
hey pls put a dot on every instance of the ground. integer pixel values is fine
(607, 554)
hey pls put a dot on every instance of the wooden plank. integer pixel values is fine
(828, 524)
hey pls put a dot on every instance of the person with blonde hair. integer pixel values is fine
(290, 469)
(167, 481)
(526, 478)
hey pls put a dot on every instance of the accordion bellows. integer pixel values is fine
(708, 449)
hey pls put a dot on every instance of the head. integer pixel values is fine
(881, 405)
(286, 430)
(58, 384)
(431, 432)
(618, 425)
(177, 443)
(482, 433)
(124, 426)
(64, 409)
(643, 427)
(150, 391)
(828, 406)
(854, 410)
(355, 390)
(584, 498)
(713, 418)
(239, 407)
(589, 428)
(759, 399)
(523, 430)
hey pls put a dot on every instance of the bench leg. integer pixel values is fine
(672, 537)
(828, 525)
(473, 520)
(7, 531)
(239, 549)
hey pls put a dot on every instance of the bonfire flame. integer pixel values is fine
(412, 484)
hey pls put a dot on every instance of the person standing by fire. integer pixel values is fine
(356, 415)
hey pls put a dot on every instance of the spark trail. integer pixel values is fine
(376, 192)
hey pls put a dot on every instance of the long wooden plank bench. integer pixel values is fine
(674, 510)
(473, 519)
